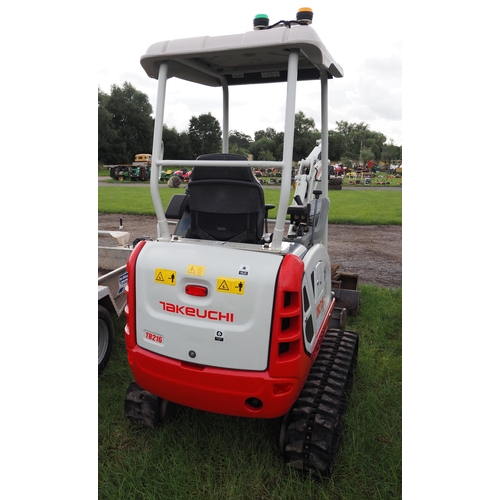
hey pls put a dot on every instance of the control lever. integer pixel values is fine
(317, 193)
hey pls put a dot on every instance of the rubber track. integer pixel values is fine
(314, 424)
(142, 407)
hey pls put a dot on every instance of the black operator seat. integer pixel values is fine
(226, 203)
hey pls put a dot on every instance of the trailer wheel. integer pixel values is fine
(106, 334)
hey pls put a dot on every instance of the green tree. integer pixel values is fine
(304, 125)
(185, 149)
(176, 146)
(375, 142)
(335, 145)
(170, 139)
(269, 133)
(356, 136)
(205, 134)
(276, 148)
(130, 112)
(346, 161)
(305, 136)
(366, 155)
(278, 145)
(239, 142)
(392, 153)
(351, 137)
(262, 150)
(109, 148)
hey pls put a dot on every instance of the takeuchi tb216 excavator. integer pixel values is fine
(223, 315)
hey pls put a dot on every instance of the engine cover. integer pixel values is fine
(226, 323)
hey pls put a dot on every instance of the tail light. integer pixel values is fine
(196, 290)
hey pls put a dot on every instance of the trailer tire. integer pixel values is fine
(106, 335)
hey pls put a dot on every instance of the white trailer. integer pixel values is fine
(111, 291)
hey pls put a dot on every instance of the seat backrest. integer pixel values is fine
(226, 203)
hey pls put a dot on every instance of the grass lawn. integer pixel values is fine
(365, 206)
(206, 456)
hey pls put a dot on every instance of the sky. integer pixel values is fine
(364, 37)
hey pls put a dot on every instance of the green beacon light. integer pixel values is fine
(305, 14)
(260, 21)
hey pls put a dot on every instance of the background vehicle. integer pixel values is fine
(139, 170)
(184, 174)
(222, 315)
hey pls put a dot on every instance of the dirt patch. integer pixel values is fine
(374, 253)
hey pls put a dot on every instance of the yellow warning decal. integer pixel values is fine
(165, 276)
(231, 285)
(196, 270)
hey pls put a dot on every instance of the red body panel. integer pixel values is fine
(226, 391)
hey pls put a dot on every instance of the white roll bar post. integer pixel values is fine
(162, 225)
(286, 176)
(225, 116)
(324, 143)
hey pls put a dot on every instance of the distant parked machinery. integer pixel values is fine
(138, 170)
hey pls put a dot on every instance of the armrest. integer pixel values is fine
(177, 206)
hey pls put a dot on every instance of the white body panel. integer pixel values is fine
(230, 327)
(318, 286)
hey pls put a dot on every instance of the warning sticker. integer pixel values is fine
(231, 285)
(196, 270)
(219, 336)
(165, 276)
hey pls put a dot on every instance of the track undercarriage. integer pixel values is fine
(311, 431)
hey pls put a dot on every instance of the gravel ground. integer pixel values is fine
(374, 253)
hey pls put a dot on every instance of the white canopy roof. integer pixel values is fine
(253, 57)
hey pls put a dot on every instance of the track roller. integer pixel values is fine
(311, 430)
